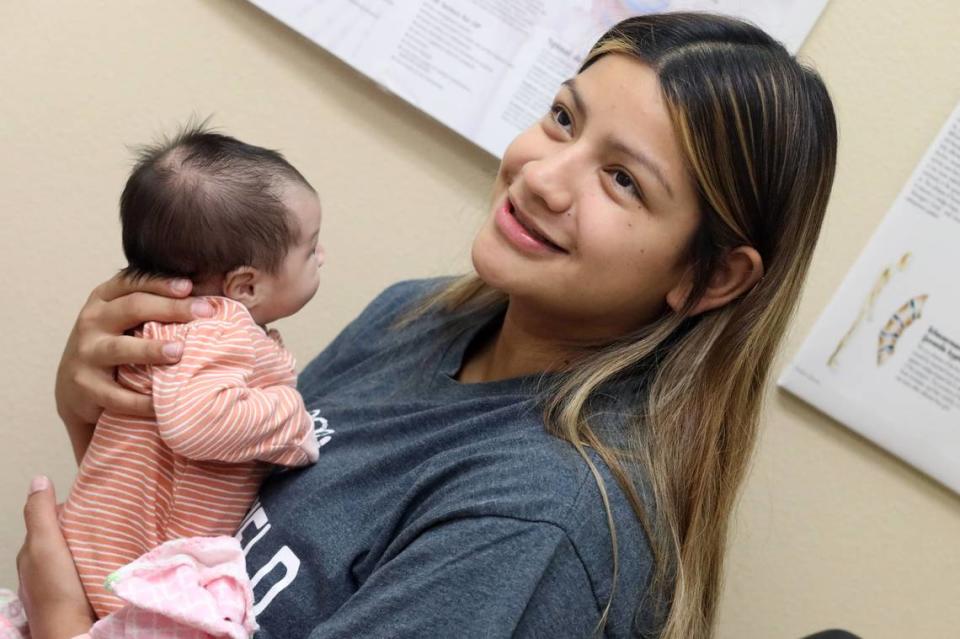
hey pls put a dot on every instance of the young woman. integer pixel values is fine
(553, 446)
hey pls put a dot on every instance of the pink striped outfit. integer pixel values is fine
(224, 413)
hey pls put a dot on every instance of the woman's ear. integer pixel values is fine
(740, 269)
(245, 284)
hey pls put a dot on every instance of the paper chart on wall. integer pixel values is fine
(488, 69)
(884, 357)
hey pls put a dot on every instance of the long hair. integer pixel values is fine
(758, 134)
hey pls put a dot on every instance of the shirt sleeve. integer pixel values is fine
(478, 577)
(206, 408)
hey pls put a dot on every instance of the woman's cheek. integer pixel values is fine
(525, 147)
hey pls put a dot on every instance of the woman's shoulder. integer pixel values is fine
(400, 298)
(375, 329)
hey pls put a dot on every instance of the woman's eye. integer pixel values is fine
(561, 117)
(625, 181)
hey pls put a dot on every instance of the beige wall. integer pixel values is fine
(831, 531)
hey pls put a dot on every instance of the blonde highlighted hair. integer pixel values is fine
(759, 137)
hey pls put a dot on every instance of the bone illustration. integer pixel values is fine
(899, 322)
(866, 309)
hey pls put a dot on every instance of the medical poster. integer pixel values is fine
(488, 69)
(884, 357)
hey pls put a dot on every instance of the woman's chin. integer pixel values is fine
(490, 261)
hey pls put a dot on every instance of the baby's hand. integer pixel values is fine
(274, 334)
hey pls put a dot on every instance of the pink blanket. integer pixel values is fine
(194, 588)
(13, 621)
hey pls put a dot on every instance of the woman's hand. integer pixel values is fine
(50, 587)
(97, 344)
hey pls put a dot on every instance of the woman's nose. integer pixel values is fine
(551, 180)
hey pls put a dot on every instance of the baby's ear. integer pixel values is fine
(244, 284)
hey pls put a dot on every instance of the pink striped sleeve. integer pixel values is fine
(206, 408)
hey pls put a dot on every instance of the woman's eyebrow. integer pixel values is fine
(577, 99)
(637, 156)
(642, 159)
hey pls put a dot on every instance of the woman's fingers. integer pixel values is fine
(124, 349)
(112, 396)
(96, 388)
(119, 285)
(50, 588)
(134, 309)
(40, 511)
(85, 377)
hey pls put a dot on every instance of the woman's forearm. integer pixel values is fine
(65, 626)
(80, 434)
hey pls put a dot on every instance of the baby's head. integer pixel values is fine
(238, 220)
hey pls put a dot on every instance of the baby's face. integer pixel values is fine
(298, 278)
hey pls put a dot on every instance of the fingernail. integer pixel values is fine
(180, 286)
(40, 482)
(201, 309)
(173, 350)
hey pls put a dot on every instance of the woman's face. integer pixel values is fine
(593, 207)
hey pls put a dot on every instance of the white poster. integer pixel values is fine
(884, 358)
(489, 68)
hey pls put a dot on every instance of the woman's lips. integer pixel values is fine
(521, 235)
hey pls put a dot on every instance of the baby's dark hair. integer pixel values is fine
(202, 204)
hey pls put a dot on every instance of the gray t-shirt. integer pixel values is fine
(436, 509)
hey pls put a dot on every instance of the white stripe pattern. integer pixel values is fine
(224, 413)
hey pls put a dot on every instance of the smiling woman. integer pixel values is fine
(658, 223)
(593, 176)
(551, 446)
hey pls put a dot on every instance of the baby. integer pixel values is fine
(242, 224)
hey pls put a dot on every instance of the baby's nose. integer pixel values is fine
(321, 256)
